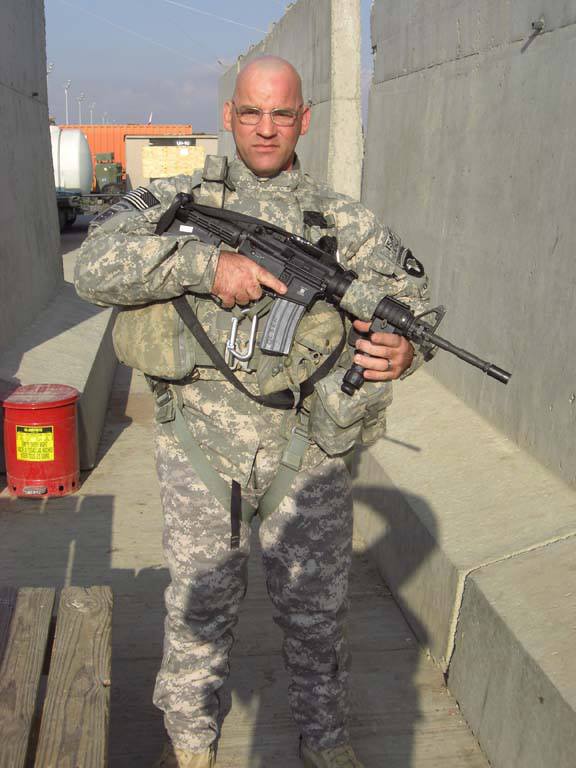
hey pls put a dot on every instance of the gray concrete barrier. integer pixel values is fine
(469, 157)
(30, 266)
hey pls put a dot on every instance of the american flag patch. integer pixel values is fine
(141, 198)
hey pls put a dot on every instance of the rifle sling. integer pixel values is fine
(230, 496)
(169, 214)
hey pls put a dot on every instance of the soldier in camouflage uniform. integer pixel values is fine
(306, 539)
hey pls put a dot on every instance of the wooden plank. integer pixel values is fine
(74, 728)
(7, 604)
(24, 627)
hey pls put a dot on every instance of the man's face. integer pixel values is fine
(266, 148)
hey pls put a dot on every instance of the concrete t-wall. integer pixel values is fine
(30, 267)
(321, 38)
(470, 156)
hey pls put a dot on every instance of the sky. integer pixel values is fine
(132, 58)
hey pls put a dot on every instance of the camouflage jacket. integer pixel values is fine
(123, 263)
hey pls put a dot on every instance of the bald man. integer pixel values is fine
(245, 446)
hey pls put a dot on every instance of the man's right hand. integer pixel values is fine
(238, 280)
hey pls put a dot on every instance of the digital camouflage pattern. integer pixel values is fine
(307, 540)
(134, 327)
(123, 262)
(339, 423)
(306, 546)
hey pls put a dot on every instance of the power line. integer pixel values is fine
(139, 36)
(214, 16)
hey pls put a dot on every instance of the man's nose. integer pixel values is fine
(266, 126)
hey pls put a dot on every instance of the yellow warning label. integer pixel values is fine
(35, 443)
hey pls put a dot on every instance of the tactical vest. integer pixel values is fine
(154, 339)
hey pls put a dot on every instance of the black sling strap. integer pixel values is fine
(169, 214)
(235, 514)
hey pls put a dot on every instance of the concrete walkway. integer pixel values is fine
(110, 533)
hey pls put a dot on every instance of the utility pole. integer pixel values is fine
(80, 99)
(66, 89)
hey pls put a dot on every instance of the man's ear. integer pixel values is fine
(306, 117)
(227, 115)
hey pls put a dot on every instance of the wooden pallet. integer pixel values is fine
(61, 721)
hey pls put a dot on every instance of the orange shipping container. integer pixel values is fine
(111, 138)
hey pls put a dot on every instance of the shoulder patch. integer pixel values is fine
(411, 265)
(141, 198)
(403, 257)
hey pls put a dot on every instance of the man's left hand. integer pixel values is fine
(387, 355)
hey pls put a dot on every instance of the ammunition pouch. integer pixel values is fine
(339, 422)
(318, 334)
(154, 339)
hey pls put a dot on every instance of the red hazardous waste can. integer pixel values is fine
(41, 440)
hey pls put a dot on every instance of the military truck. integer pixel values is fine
(108, 175)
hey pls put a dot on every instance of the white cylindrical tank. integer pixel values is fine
(71, 160)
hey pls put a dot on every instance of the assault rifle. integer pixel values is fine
(310, 273)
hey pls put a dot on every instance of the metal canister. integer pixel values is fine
(41, 440)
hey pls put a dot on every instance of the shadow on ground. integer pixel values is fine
(386, 664)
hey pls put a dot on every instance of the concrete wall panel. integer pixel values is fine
(514, 670)
(410, 35)
(322, 39)
(30, 267)
(23, 49)
(471, 162)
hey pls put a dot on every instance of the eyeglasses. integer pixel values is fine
(285, 118)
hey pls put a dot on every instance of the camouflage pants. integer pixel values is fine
(306, 547)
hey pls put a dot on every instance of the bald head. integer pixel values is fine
(273, 67)
(268, 89)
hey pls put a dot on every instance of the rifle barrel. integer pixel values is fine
(488, 368)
